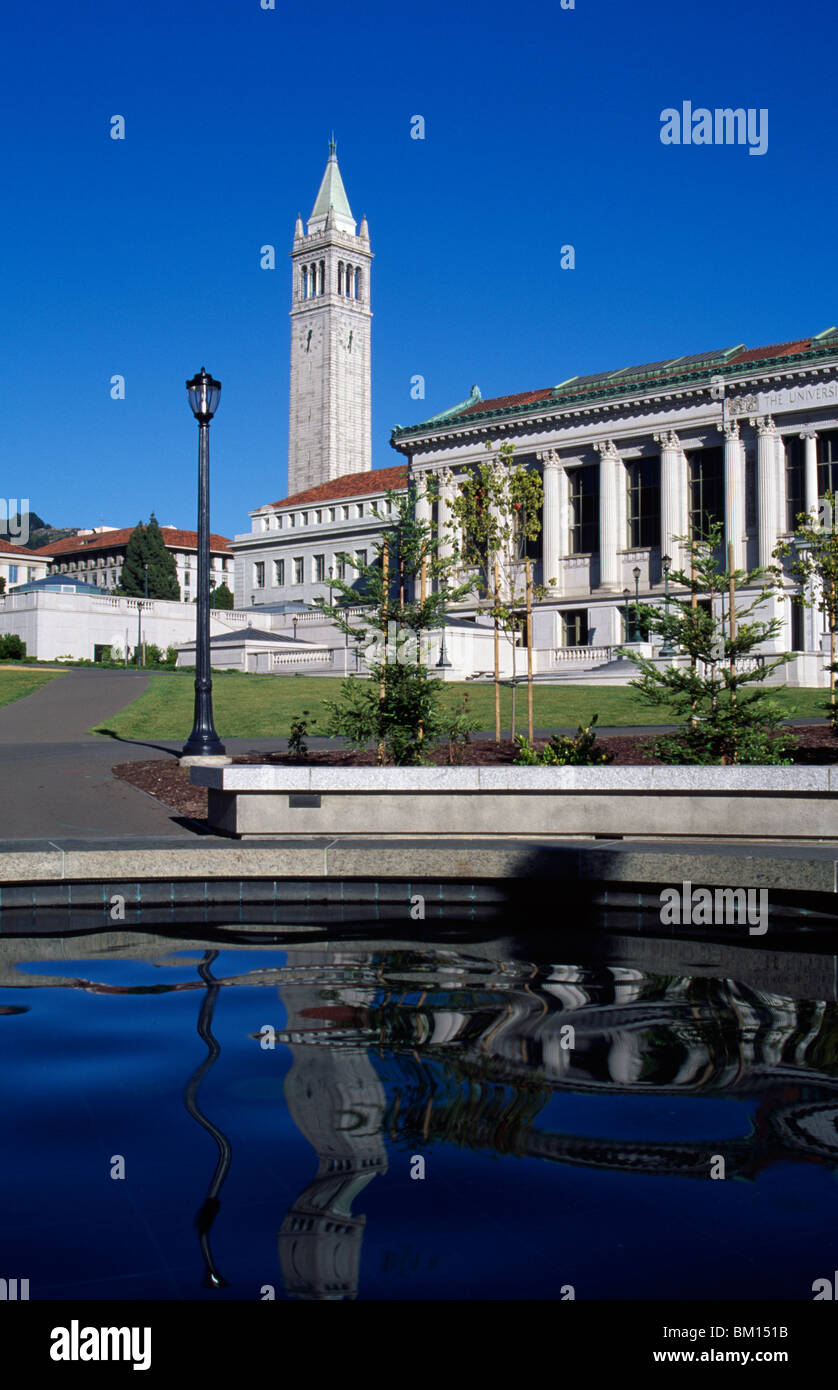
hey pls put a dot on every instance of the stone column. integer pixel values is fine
(673, 502)
(766, 488)
(734, 494)
(609, 461)
(810, 470)
(551, 521)
(423, 503)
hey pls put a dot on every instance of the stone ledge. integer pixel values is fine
(87, 876)
(266, 777)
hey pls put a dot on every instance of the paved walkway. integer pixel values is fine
(57, 778)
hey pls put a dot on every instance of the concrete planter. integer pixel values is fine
(713, 803)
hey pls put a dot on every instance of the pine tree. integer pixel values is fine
(132, 576)
(146, 547)
(221, 597)
(162, 569)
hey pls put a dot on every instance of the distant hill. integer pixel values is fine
(39, 531)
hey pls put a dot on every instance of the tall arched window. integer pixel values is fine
(357, 282)
(322, 277)
(304, 282)
(340, 277)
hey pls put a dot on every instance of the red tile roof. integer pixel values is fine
(504, 402)
(106, 540)
(6, 548)
(365, 484)
(777, 350)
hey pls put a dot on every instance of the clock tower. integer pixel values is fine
(330, 419)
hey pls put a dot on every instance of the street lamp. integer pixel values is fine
(443, 662)
(331, 592)
(667, 649)
(635, 636)
(626, 597)
(203, 393)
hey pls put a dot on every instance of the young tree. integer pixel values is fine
(146, 547)
(399, 706)
(2, 584)
(495, 514)
(813, 561)
(725, 721)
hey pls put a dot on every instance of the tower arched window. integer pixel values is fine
(313, 279)
(322, 277)
(357, 282)
(304, 282)
(340, 277)
(349, 277)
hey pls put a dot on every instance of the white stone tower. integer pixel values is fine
(330, 431)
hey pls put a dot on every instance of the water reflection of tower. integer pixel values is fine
(336, 1100)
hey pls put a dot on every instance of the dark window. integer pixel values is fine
(584, 509)
(707, 485)
(828, 463)
(750, 493)
(643, 487)
(794, 481)
(575, 627)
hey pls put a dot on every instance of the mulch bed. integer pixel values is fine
(169, 783)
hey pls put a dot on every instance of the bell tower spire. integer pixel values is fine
(330, 415)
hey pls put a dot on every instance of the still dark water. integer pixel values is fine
(569, 1104)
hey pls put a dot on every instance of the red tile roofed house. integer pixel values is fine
(295, 542)
(19, 565)
(96, 557)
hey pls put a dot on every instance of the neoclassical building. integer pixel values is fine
(630, 459)
(633, 458)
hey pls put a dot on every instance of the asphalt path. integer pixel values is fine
(57, 777)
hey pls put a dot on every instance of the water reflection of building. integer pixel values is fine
(337, 1102)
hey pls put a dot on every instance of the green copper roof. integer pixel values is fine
(456, 409)
(604, 386)
(332, 193)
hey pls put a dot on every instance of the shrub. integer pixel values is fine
(12, 648)
(459, 729)
(297, 745)
(562, 751)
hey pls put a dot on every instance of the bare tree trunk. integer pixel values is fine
(423, 584)
(731, 624)
(693, 606)
(529, 651)
(382, 688)
(497, 657)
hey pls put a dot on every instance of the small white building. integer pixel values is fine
(21, 566)
(57, 621)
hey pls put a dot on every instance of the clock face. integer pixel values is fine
(310, 339)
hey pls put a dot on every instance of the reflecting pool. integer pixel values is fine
(593, 1116)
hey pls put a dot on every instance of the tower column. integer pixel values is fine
(734, 493)
(767, 488)
(673, 498)
(810, 473)
(551, 517)
(609, 462)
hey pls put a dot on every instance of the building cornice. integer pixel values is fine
(684, 388)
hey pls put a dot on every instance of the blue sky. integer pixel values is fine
(141, 257)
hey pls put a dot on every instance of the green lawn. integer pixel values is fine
(15, 683)
(263, 706)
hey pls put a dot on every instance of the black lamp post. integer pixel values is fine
(626, 597)
(203, 394)
(443, 662)
(636, 636)
(667, 649)
(331, 591)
